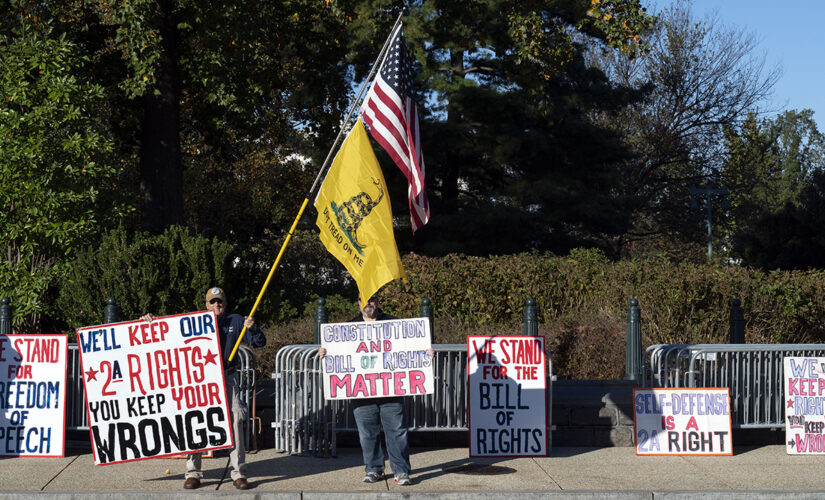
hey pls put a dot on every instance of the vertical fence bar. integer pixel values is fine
(633, 347)
(321, 315)
(5, 316)
(531, 321)
(737, 322)
(111, 312)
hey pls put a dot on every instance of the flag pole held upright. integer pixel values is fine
(375, 67)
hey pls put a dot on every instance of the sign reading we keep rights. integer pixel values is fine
(374, 359)
(154, 389)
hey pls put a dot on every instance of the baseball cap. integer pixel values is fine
(215, 292)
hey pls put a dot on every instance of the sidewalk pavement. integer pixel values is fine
(752, 472)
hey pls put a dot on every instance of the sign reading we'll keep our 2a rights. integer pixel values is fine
(691, 421)
(154, 389)
(805, 405)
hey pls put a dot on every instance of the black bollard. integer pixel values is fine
(5, 316)
(531, 321)
(426, 311)
(320, 318)
(737, 322)
(633, 347)
(111, 312)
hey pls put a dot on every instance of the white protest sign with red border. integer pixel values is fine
(688, 421)
(507, 396)
(33, 395)
(154, 389)
(375, 359)
(804, 405)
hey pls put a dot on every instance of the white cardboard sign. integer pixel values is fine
(374, 359)
(154, 389)
(33, 395)
(507, 396)
(690, 421)
(805, 405)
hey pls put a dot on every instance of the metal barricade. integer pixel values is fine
(77, 419)
(305, 423)
(754, 373)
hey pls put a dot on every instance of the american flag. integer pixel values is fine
(393, 120)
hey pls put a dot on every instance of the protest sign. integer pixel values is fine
(374, 359)
(805, 405)
(507, 396)
(154, 389)
(694, 421)
(33, 395)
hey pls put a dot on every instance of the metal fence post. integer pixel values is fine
(5, 316)
(737, 322)
(111, 312)
(320, 317)
(426, 311)
(633, 354)
(531, 321)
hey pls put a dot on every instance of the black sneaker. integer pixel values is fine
(373, 477)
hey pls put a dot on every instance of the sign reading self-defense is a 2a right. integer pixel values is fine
(154, 389)
(687, 421)
(804, 405)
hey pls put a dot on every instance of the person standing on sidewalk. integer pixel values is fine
(229, 328)
(374, 414)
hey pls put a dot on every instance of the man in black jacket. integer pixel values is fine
(229, 328)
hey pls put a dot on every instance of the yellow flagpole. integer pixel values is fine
(314, 184)
(271, 272)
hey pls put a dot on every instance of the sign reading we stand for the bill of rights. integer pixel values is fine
(154, 389)
(804, 405)
(507, 396)
(33, 395)
(376, 359)
(690, 421)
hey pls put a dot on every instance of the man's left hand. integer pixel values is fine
(249, 322)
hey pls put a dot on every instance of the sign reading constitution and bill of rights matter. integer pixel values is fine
(692, 421)
(32, 395)
(154, 389)
(507, 396)
(805, 405)
(373, 359)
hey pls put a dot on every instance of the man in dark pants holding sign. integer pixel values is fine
(373, 414)
(229, 328)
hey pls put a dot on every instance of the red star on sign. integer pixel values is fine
(210, 358)
(790, 403)
(91, 374)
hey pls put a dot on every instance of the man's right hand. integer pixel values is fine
(147, 317)
(322, 352)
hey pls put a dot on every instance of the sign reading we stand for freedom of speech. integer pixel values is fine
(689, 421)
(373, 359)
(154, 389)
(805, 405)
(33, 395)
(507, 396)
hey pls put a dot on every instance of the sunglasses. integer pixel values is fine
(216, 301)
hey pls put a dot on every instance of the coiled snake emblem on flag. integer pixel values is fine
(352, 212)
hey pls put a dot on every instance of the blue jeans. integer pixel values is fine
(370, 418)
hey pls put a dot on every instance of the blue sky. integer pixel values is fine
(791, 33)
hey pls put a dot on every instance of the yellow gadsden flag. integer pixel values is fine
(355, 217)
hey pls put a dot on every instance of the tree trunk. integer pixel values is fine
(161, 178)
(449, 187)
